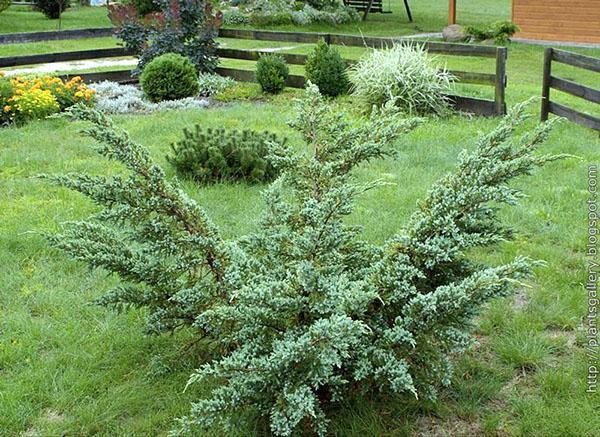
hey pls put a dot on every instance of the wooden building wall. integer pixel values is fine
(558, 20)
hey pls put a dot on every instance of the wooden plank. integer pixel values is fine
(13, 38)
(500, 88)
(359, 41)
(48, 58)
(120, 76)
(576, 60)
(474, 78)
(254, 55)
(293, 81)
(473, 105)
(546, 84)
(267, 35)
(575, 116)
(575, 89)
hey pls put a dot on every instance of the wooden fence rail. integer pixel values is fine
(465, 103)
(575, 89)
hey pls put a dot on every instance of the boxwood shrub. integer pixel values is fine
(169, 77)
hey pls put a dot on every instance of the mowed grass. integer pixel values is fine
(68, 367)
(17, 19)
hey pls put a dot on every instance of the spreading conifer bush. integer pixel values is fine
(209, 155)
(405, 74)
(303, 310)
(326, 69)
(271, 73)
(169, 77)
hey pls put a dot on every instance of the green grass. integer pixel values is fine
(22, 19)
(70, 368)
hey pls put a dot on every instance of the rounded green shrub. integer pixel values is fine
(326, 69)
(169, 77)
(211, 155)
(52, 8)
(271, 73)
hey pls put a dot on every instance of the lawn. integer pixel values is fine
(71, 368)
(23, 19)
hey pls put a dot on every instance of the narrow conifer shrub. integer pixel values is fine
(326, 69)
(304, 311)
(271, 73)
(403, 73)
(209, 155)
(169, 77)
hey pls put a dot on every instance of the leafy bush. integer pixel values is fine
(304, 312)
(169, 77)
(500, 32)
(403, 74)
(26, 99)
(145, 7)
(187, 27)
(271, 73)
(326, 69)
(211, 84)
(209, 155)
(4, 4)
(114, 98)
(52, 8)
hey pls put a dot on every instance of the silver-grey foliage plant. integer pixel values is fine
(304, 311)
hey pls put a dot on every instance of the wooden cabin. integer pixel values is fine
(559, 20)
(552, 20)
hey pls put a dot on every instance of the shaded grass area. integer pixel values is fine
(22, 19)
(68, 367)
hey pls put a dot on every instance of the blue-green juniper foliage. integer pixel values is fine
(304, 311)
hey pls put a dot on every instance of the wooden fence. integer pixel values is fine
(465, 103)
(567, 86)
(474, 105)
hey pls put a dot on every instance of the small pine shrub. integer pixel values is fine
(403, 74)
(303, 313)
(52, 8)
(271, 73)
(209, 155)
(169, 77)
(326, 69)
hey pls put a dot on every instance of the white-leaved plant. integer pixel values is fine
(404, 73)
(303, 309)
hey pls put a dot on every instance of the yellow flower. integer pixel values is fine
(7, 108)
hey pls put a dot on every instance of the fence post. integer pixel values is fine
(500, 95)
(548, 54)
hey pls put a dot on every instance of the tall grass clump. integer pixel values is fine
(404, 74)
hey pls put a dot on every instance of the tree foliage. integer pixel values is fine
(186, 27)
(303, 309)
